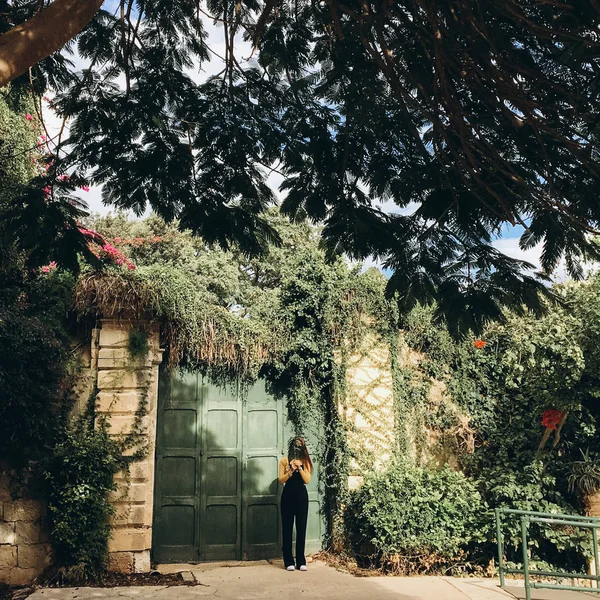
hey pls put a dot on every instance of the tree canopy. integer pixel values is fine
(464, 115)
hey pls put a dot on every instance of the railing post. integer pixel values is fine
(524, 524)
(596, 558)
(500, 539)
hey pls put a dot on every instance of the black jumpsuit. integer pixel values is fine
(294, 504)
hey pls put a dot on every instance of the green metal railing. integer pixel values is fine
(527, 517)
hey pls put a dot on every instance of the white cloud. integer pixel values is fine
(510, 247)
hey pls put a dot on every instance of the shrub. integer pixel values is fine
(539, 486)
(79, 475)
(35, 364)
(411, 519)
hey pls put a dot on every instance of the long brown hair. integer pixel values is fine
(305, 457)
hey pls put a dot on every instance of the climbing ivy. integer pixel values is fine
(291, 317)
(297, 320)
(491, 395)
(475, 404)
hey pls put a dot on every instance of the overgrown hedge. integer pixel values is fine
(410, 519)
(78, 474)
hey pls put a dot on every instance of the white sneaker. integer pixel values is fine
(303, 568)
(291, 568)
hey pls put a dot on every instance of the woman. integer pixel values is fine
(294, 471)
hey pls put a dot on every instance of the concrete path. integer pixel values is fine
(269, 581)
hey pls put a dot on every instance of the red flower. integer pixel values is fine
(551, 418)
(47, 191)
(85, 188)
(28, 117)
(479, 344)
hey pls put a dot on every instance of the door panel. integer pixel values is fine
(263, 437)
(220, 535)
(176, 507)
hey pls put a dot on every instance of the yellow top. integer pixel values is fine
(285, 471)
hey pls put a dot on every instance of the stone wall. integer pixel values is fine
(369, 415)
(24, 548)
(368, 409)
(124, 386)
(25, 551)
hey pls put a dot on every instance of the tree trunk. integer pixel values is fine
(45, 33)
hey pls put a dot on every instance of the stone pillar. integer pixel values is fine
(124, 385)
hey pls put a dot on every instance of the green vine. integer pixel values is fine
(305, 324)
(79, 474)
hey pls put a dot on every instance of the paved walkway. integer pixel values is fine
(266, 581)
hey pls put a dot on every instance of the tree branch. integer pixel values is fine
(27, 44)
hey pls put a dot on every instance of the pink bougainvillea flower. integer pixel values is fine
(47, 191)
(93, 235)
(85, 188)
(29, 117)
(43, 137)
(105, 250)
(479, 344)
(49, 267)
(64, 177)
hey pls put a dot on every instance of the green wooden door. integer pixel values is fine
(216, 489)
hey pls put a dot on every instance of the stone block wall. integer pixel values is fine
(24, 548)
(369, 415)
(124, 384)
(368, 409)
(25, 551)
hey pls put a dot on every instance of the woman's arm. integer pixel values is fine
(305, 474)
(284, 472)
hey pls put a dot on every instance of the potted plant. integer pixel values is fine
(585, 479)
